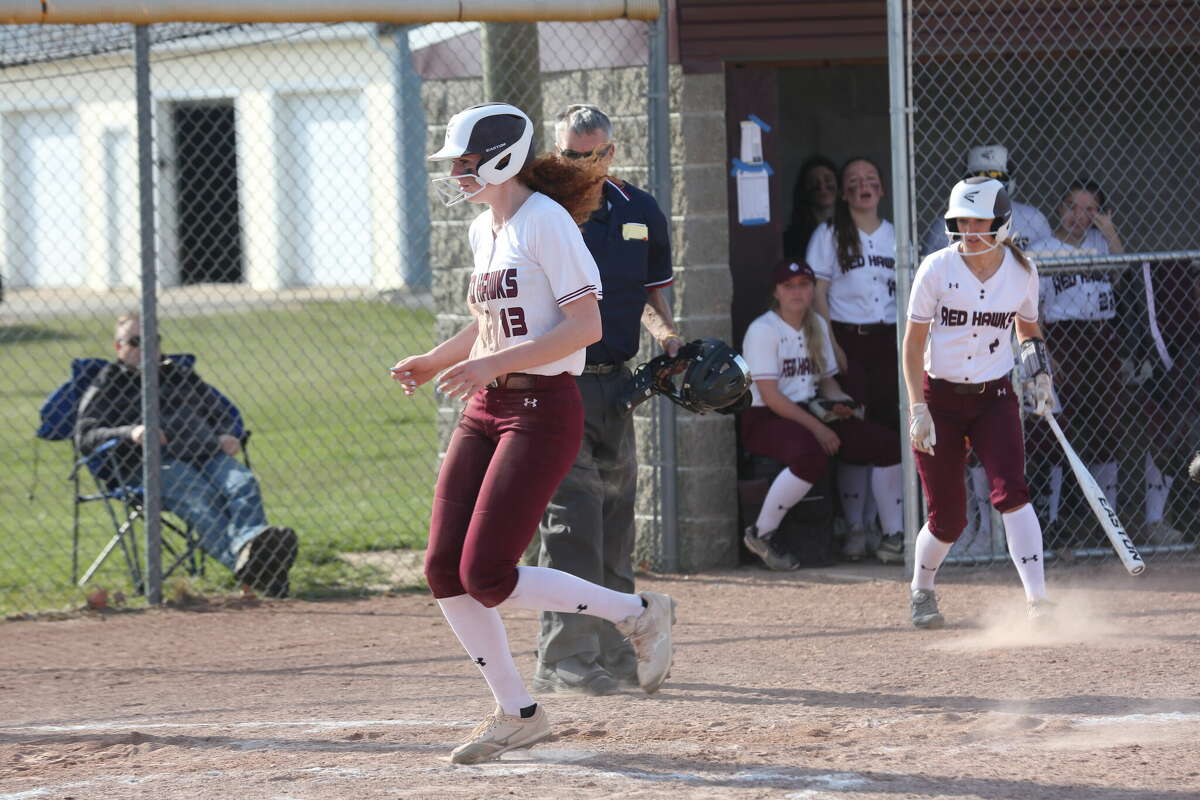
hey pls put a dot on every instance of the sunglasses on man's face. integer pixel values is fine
(135, 341)
(596, 153)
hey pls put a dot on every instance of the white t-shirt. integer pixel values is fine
(1029, 225)
(535, 264)
(865, 292)
(1076, 295)
(970, 336)
(778, 352)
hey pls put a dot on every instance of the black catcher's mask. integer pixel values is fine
(715, 378)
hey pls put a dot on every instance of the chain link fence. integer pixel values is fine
(1094, 109)
(300, 253)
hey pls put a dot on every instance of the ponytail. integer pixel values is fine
(576, 189)
(1019, 255)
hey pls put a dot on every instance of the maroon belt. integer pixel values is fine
(524, 380)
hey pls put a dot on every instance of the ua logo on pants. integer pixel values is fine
(531, 402)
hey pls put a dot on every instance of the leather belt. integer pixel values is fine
(515, 380)
(964, 388)
(601, 367)
(865, 330)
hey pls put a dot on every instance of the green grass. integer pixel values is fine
(341, 455)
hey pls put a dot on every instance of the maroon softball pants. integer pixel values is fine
(991, 420)
(507, 455)
(872, 375)
(765, 433)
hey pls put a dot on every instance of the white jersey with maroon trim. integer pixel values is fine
(970, 335)
(1076, 295)
(864, 292)
(778, 352)
(535, 264)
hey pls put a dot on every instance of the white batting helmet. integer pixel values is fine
(979, 198)
(991, 161)
(501, 134)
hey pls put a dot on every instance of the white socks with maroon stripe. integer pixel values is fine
(544, 589)
(887, 488)
(928, 554)
(852, 482)
(1025, 547)
(786, 490)
(482, 635)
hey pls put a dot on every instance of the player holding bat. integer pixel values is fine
(957, 359)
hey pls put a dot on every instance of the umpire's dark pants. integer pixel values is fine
(588, 529)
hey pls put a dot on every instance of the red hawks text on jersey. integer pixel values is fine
(524, 273)
(776, 351)
(863, 291)
(970, 332)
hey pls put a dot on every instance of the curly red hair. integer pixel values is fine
(575, 188)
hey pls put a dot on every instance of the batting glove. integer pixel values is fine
(1043, 395)
(920, 428)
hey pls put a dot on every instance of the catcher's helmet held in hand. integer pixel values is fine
(980, 198)
(499, 133)
(715, 378)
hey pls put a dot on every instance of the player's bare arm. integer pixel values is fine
(414, 371)
(916, 334)
(829, 389)
(821, 306)
(579, 327)
(658, 320)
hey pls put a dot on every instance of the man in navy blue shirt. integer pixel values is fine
(588, 527)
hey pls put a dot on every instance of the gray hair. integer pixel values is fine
(583, 118)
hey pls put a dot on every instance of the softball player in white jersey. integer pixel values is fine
(1078, 309)
(854, 259)
(957, 352)
(533, 295)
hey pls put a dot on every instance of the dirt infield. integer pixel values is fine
(808, 685)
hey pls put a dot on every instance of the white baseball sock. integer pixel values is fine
(928, 554)
(545, 589)
(482, 635)
(852, 489)
(1158, 489)
(983, 500)
(1106, 475)
(886, 487)
(1056, 484)
(1025, 548)
(786, 490)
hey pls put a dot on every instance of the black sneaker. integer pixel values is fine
(264, 561)
(574, 674)
(764, 548)
(891, 549)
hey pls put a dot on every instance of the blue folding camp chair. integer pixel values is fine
(122, 495)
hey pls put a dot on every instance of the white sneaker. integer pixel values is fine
(499, 733)
(1041, 612)
(650, 635)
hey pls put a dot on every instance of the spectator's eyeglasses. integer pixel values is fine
(135, 341)
(595, 154)
(993, 173)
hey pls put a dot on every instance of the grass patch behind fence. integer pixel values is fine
(341, 455)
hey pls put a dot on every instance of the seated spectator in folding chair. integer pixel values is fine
(202, 482)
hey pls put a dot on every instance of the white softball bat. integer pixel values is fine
(1112, 526)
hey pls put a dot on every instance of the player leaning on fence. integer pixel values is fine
(957, 358)
(533, 295)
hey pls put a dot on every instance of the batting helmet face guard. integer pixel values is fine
(980, 198)
(499, 133)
